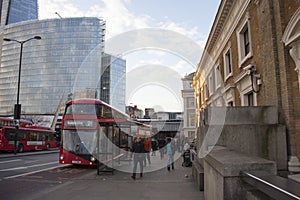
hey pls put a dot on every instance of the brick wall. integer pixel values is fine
(268, 20)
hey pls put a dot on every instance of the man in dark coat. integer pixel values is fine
(138, 150)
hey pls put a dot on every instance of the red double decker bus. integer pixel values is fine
(94, 131)
(27, 139)
(6, 121)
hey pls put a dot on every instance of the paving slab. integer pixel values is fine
(162, 184)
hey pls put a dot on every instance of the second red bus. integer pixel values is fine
(27, 139)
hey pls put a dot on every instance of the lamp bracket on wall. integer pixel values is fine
(251, 71)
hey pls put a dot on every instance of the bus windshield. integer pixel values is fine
(88, 109)
(80, 141)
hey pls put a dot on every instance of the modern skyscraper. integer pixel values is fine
(113, 81)
(65, 64)
(65, 61)
(13, 11)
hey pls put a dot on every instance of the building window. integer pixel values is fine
(230, 104)
(191, 134)
(191, 102)
(201, 96)
(206, 92)
(192, 120)
(227, 64)
(218, 76)
(250, 99)
(211, 84)
(244, 41)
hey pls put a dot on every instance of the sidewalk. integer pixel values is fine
(160, 184)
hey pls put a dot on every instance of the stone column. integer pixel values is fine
(295, 54)
(294, 164)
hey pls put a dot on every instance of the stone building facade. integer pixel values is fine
(189, 105)
(252, 58)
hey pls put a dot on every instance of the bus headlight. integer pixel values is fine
(61, 157)
(93, 159)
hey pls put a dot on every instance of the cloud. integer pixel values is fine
(47, 9)
(118, 17)
(157, 57)
(119, 20)
(151, 81)
(191, 32)
(183, 68)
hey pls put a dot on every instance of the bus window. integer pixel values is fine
(43, 137)
(51, 137)
(33, 136)
(81, 109)
(11, 136)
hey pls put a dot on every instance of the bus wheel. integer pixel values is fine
(20, 148)
(48, 146)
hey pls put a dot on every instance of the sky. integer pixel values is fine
(178, 26)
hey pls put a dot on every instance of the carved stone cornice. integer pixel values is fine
(218, 24)
(228, 16)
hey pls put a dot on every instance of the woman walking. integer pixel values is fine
(170, 155)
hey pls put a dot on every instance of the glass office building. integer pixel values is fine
(113, 81)
(14, 11)
(65, 61)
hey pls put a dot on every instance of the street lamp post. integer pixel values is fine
(17, 108)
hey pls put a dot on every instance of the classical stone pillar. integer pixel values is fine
(295, 54)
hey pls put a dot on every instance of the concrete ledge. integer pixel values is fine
(241, 115)
(295, 177)
(222, 169)
(231, 163)
(256, 195)
(264, 141)
(198, 175)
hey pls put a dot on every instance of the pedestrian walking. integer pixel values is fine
(170, 154)
(138, 152)
(161, 145)
(154, 146)
(147, 146)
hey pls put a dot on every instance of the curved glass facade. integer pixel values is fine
(22, 10)
(14, 11)
(65, 61)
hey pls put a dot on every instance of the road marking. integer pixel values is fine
(28, 173)
(18, 168)
(39, 165)
(33, 172)
(8, 161)
(31, 161)
(12, 169)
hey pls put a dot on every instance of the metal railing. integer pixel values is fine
(276, 187)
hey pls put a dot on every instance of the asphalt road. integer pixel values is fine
(36, 176)
(20, 165)
(25, 175)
